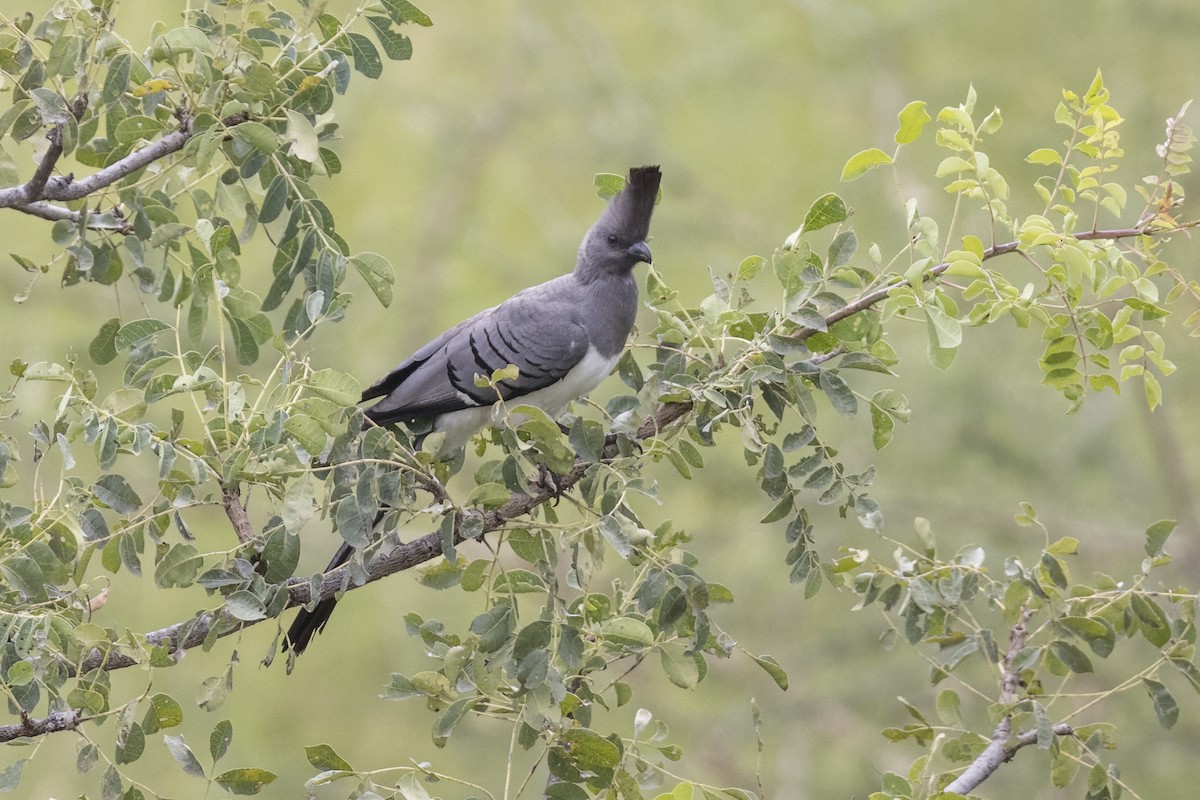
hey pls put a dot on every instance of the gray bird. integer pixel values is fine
(564, 336)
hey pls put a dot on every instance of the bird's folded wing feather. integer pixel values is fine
(542, 337)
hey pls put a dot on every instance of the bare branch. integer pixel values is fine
(231, 498)
(999, 749)
(53, 723)
(65, 188)
(104, 221)
(35, 185)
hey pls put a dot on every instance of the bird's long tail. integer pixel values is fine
(309, 623)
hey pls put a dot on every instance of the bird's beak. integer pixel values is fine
(641, 251)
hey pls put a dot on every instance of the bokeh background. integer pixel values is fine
(470, 168)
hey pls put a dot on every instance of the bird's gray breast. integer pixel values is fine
(608, 309)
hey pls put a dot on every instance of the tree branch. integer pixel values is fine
(231, 498)
(999, 749)
(52, 723)
(103, 222)
(28, 196)
(36, 184)
(882, 293)
(191, 633)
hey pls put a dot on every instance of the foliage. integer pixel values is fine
(212, 138)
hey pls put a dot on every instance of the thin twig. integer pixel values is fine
(879, 295)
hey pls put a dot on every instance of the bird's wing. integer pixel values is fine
(540, 334)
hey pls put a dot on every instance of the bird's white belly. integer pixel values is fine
(459, 426)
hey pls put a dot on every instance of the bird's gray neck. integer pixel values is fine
(611, 306)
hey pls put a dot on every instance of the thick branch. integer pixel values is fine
(408, 555)
(53, 723)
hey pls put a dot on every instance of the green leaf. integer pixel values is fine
(396, 46)
(607, 184)
(772, 668)
(679, 666)
(103, 347)
(179, 567)
(244, 345)
(615, 533)
(219, 739)
(249, 780)
(135, 332)
(1156, 536)
(378, 273)
(750, 266)
(366, 57)
(402, 11)
(1075, 659)
(449, 718)
(493, 627)
(1165, 705)
(183, 755)
(840, 395)
(781, 509)
(21, 673)
(881, 427)
(116, 79)
(245, 605)
(10, 777)
(863, 162)
(828, 209)
(180, 40)
(1046, 156)
(947, 331)
(131, 745)
(625, 632)
(113, 491)
(842, 249)
(274, 200)
(335, 385)
(589, 751)
(132, 129)
(322, 756)
(1153, 620)
(257, 135)
(912, 121)
(128, 404)
(307, 431)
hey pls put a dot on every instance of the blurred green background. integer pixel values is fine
(470, 168)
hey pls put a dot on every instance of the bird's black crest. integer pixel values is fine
(632, 207)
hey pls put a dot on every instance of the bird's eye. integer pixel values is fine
(612, 238)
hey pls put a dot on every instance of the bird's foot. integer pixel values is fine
(548, 481)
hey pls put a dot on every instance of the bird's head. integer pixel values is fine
(617, 242)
